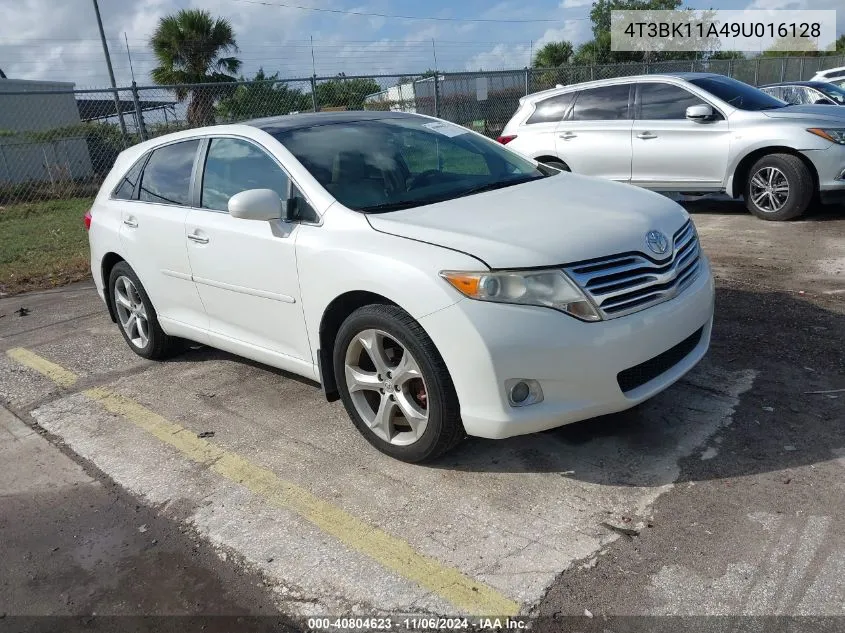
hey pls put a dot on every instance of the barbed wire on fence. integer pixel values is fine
(61, 143)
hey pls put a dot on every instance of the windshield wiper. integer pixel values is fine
(490, 186)
(392, 206)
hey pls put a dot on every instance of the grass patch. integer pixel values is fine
(43, 244)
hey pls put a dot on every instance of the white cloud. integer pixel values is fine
(504, 56)
(575, 4)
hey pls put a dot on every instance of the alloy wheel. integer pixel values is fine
(769, 189)
(387, 387)
(131, 312)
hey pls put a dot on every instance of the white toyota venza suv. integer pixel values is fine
(436, 282)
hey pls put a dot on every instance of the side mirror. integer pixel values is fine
(257, 204)
(700, 113)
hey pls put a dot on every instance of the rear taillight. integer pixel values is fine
(87, 219)
(504, 140)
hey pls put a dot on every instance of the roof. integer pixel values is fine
(613, 80)
(810, 84)
(92, 109)
(308, 119)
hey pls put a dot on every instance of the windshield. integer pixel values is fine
(739, 95)
(387, 164)
(832, 91)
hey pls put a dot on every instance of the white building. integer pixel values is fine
(24, 158)
(398, 98)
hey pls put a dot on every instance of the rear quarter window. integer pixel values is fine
(551, 110)
(125, 189)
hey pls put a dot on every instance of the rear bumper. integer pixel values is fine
(577, 364)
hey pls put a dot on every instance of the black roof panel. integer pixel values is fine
(308, 119)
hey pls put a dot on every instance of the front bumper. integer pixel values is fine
(830, 167)
(576, 363)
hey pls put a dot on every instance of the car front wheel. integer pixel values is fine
(779, 187)
(395, 386)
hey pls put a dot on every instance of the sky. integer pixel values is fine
(58, 39)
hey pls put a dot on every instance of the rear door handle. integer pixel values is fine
(131, 222)
(646, 135)
(199, 239)
(568, 135)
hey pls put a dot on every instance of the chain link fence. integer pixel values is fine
(60, 144)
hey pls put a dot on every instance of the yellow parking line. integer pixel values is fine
(56, 373)
(390, 551)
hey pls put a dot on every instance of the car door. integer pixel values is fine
(152, 235)
(245, 270)
(672, 152)
(594, 137)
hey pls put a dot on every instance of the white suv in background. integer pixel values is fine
(434, 281)
(691, 133)
(832, 75)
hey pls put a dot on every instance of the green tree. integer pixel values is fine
(192, 47)
(262, 97)
(717, 55)
(553, 54)
(343, 92)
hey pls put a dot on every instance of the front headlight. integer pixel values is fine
(835, 135)
(546, 288)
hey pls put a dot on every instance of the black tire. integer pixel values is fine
(444, 429)
(556, 164)
(799, 179)
(159, 345)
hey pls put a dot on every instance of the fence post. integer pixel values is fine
(757, 72)
(527, 80)
(782, 68)
(801, 71)
(436, 94)
(314, 92)
(730, 68)
(139, 112)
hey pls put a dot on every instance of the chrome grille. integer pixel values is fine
(628, 282)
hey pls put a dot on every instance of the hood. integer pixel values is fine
(556, 220)
(815, 113)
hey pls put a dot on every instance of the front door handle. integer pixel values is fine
(199, 239)
(646, 135)
(131, 222)
(568, 135)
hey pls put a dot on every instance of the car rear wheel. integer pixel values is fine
(779, 187)
(395, 386)
(136, 316)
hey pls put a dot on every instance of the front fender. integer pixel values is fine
(345, 254)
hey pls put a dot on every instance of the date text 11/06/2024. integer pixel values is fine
(416, 624)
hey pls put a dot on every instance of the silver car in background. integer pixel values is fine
(807, 92)
(689, 133)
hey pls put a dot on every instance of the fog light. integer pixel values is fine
(523, 391)
(520, 392)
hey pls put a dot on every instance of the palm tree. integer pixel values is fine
(190, 47)
(553, 54)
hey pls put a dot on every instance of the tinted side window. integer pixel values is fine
(167, 176)
(234, 165)
(126, 187)
(551, 110)
(601, 104)
(665, 101)
(304, 211)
